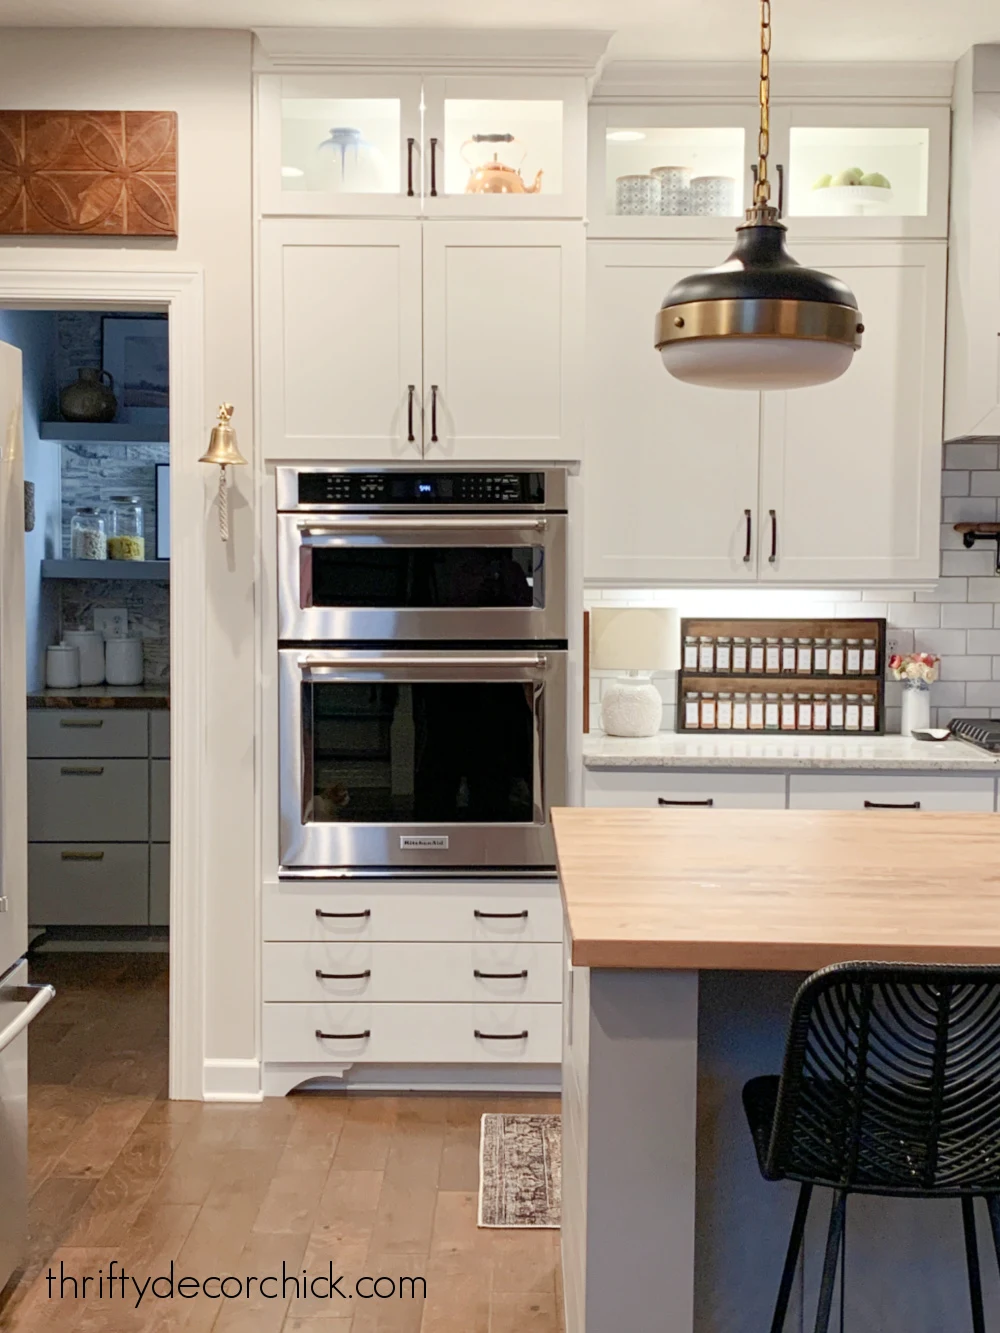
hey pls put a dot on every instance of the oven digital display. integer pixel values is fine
(380, 489)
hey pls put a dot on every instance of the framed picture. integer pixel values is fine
(136, 355)
(163, 511)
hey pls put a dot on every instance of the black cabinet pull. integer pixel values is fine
(892, 805)
(501, 916)
(434, 414)
(411, 390)
(343, 1036)
(773, 516)
(434, 184)
(77, 771)
(81, 722)
(343, 976)
(781, 190)
(500, 976)
(662, 800)
(749, 518)
(366, 912)
(409, 167)
(501, 1036)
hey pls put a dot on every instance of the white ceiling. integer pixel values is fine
(660, 29)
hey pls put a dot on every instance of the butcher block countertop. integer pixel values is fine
(777, 890)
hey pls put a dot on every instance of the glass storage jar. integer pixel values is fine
(836, 660)
(772, 656)
(852, 713)
(125, 528)
(836, 712)
(740, 712)
(87, 536)
(692, 711)
(804, 664)
(788, 714)
(854, 657)
(805, 713)
(868, 712)
(771, 712)
(788, 656)
(707, 711)
(739, 654)
(706, 654)
(756, 718)
(869, 657)
(690, 653)
(756, 654)
(723, 653)
(724, 712)
(821, 656)
(821, 712)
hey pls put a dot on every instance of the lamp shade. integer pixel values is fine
(634, 638)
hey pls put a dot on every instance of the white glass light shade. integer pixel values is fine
(756, 363)
(634, 639)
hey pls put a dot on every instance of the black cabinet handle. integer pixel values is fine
(343, 1036)
(749, 518)
(500, 976)
(501, 1036)
(81, 721)
(343, 976)
(501, 916)
(892, 805)
(781, 190)
(411, 390)
(773, 516)
(321, 914)
(662, 800)
(77, 771)
(434, 414)
(434, 184)
(409, 167)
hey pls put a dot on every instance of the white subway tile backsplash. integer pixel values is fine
(984, 589)
(950, 539)
(900, 640)
(985, 483)
(966, 668)
(971, 454)
(985, 693)
(948, 693)
(957, 483)
(914, 615)
(967, 615)
(949, 641)
(984, 640)
(978, 562)
(945, 590)
(969, 509)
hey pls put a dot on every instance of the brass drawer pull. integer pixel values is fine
(81, 721)
(82, 856)
(69, 771)
(322, 914)
(500, 916)
(500, 976)
(343, 976)
(343, 1036)
(501, 1036)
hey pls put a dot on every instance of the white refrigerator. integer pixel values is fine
(19, 1002)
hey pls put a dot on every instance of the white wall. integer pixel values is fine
(205, 77)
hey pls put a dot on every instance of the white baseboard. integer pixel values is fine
(232, 1081)
(533, 1080)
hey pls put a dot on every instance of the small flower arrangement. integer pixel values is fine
(919, 669)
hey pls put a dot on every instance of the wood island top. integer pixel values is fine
(775, 890)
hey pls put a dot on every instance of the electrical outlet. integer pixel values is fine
(891, 645)
(111, 622)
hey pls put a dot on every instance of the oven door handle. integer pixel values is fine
(468, 524)
(536, 662)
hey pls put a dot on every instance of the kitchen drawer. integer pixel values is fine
(88, 800)
(159, 800)
(159, 734)
(88, 884)
(847, 791)
(413, 1033)
(726, 790)
(159, 884)
(437, 911)
(87, 733)
(399, 973)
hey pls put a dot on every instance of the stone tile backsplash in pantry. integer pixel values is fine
(958, 619)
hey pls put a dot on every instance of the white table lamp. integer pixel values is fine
(634, 641)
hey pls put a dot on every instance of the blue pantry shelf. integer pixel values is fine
(114, 432)
(150, 570)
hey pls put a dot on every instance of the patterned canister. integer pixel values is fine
(713, 196)
(675, 190)
(637, 196)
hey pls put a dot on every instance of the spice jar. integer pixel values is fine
(692, 711)
(788, 656)
(821, 712)
(723, 652)
(690, 653)
(707, 711)
(706, 653)
(740, 712)
(868, 712)
(804, 655)
(756, 718)
(836, 712)
(869, 657)
(854, 657)
(724, 712)
(821, 656)
(852, 713)
(756, 654)
(87, 537)
(772, 656)
(739, 654)
(805, 712)
(125, 528)
(771, 712)
(836, 657)
(788, 715)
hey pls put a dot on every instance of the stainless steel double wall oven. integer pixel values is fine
(423, 688)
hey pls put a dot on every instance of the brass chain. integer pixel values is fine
(762, 188)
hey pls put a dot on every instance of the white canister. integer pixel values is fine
(123, 661)
(62, 666)
(713, 196)
(637, 196)
(675, 190)
(90, 643)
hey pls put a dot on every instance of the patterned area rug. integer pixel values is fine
(520, 1171)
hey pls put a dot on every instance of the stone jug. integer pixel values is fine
(89, 398)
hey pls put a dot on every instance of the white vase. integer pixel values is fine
(631, 706)
(916, 708)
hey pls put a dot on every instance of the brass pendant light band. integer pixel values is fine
(816, 320)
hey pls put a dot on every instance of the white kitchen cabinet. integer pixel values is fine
(851, 471)
(678, 789)
(873, 791)
(503, 340)
(972, 404)
(671, 470)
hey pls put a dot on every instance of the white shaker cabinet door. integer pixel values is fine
(503, 340)
(340, 340)
(670, 470)
(851, 471)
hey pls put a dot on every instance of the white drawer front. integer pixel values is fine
(88, 800)
(388, 973)
(72, 733)
(413, 1033)
(847, 791)
(88, 884)
(467, 911)
(733, 791)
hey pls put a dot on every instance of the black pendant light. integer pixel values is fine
(760, 320)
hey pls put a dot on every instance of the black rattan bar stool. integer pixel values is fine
(890, 1085)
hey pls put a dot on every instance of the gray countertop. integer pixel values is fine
(103, 696)
(669, 749)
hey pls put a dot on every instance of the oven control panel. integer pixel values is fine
(388, 490)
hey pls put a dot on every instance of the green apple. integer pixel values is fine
(823, 182)
(852, 176)
(877, 180)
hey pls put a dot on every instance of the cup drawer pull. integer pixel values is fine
(501, 1036)
(341, 915)
(69, 771)
(82, 856)
(500, 916)
(343, 1036)
(81, 721)
(500, 976)
(343, 976)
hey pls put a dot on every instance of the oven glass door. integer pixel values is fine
(420, 758)
(434, 577)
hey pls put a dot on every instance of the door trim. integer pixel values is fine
(181, 293)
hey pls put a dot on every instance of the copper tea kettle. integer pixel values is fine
(494, 176)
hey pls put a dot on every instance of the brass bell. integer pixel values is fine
(222, 446)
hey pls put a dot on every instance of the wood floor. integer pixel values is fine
(374, 1185)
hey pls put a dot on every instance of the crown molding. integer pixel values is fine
(624, 81)
(432, 50)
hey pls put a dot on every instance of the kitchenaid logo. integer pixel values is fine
(419, 841)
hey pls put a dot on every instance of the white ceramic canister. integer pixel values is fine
(123, 661)
(637, 196)
(675, 190)
(62, 666)
(90, 642)
(713, 196)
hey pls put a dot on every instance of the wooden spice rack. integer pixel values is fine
(785, 681)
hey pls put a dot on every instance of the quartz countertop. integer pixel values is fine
(668, 749)
(103, 696)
